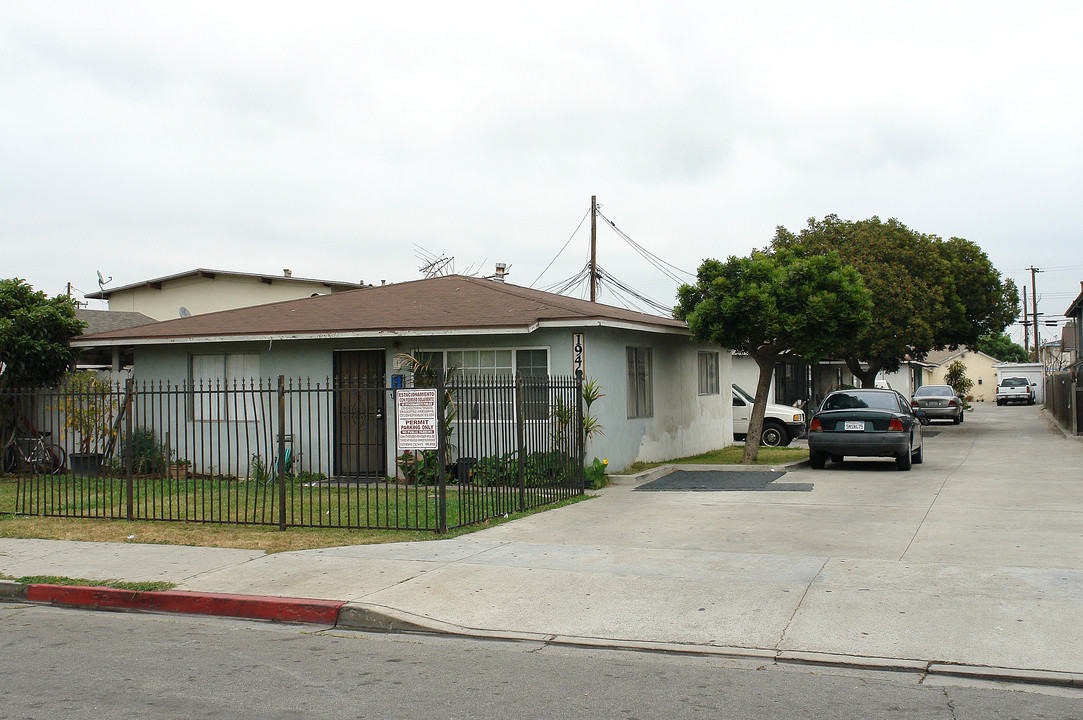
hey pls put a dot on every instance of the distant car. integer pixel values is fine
(1015, 389)
(864, 422)
(781, 423)
(939, 403)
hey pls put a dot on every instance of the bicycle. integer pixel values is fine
(41, 457)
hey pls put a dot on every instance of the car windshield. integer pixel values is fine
(1014, 382)
(856, 399)
(934, 391)
(741, 391)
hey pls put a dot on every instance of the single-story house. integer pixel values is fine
(199, 291)
(662, 398)
(980, 368)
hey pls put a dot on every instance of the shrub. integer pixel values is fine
(148, 455)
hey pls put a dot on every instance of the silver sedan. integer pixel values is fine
(939, 403)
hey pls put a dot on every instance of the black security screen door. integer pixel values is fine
(360, 403)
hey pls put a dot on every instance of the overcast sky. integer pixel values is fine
(147, 138)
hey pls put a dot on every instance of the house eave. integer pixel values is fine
(372, 334)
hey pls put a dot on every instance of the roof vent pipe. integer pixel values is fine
(501, 271)
(286, 272)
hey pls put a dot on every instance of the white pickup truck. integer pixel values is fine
(1015, 389)
(781, 423)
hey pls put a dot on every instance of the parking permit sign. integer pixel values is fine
(416, 418)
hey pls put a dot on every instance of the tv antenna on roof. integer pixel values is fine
(102, 281)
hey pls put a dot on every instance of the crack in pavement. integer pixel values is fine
(940, 489)
(800, 601)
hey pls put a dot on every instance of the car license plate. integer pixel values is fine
(854, 425)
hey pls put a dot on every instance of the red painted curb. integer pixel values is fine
(254, 607)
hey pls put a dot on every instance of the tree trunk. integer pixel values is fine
(766, 363)
(866, 375)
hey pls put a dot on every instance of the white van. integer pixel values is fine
(781, 423)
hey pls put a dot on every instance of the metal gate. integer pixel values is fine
(360, 405)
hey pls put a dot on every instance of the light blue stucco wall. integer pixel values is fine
(683, 422)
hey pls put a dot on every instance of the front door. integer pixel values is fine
(360, 401)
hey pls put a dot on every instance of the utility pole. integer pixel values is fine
(1026, 324)
(593, 248)
(1034, 307)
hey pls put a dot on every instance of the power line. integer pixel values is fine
(659, 263)
(585, 215)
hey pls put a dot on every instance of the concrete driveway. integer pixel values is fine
(975, 556)
(1003, 488)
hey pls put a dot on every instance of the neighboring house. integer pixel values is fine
(663, 394)
(746, 375)
(980, 368)
(1073, 330)
(1069, 343)
(907, 379)
(202, 291)
(111, 359)
(1054, 356)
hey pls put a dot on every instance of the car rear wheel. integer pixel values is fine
(817, 459)
(774, 435)
(918, 456)
(903, 460)
(957, 419)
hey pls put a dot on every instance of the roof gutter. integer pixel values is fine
(353, 334)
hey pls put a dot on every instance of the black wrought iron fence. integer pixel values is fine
(295, 453)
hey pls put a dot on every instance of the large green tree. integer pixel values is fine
(928, 293)
(786, 302)
(1003, 348)
(34, 333)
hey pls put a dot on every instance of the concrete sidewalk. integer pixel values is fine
(971, 564)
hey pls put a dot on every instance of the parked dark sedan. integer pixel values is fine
(939, 402)
(866, 423)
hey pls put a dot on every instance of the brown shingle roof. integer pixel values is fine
(450, 304)
(98, 321)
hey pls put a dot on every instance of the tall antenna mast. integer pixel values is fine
(593, 248)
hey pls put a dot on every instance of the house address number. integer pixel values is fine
(578, 354)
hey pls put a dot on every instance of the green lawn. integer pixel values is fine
(731, 455)
(245, 513)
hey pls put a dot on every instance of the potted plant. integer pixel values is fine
(90, 409)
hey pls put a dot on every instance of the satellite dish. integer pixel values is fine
(184, 312)
(102, 281)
